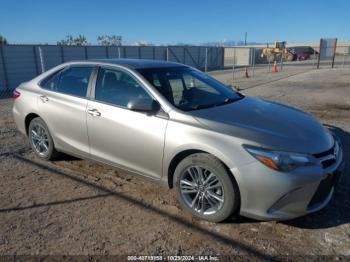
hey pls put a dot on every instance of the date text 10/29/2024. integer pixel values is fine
(173, 258)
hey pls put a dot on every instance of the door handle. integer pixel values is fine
(44, 99)
(93, 112)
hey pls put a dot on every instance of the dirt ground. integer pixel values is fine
(74, 206)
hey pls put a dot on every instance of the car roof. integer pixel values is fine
(137, 63)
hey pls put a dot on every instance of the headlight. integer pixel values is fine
(281, 161)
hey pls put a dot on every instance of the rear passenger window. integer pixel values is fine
(117, 87)
(72, 81)
(51, 82)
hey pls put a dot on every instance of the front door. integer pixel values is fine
(119, 136)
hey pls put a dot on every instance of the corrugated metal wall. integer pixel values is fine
(20, 63)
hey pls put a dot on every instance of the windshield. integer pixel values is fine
(189, 89)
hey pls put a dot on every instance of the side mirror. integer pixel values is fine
(144, 105)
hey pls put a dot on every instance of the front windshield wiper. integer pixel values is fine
(200, 107)
(226, 101)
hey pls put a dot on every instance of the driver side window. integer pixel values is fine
(117, 87)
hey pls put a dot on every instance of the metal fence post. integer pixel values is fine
(86, 53)
(35, 61)
(319, 54)
(199, 58)
(62, 54)
(281, 62)
(41, 59)
(334, 51)
(222, 58)
(167, 53)
(184, 54)
(3, 62)
(107, 52)
(253, 61)
(206, 60)
(118, 51)
(268, 60)
(233, 65)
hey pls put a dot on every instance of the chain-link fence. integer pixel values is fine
(246, 62)
(20, 63)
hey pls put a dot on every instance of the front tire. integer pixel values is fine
(40, 140)
(205, 187)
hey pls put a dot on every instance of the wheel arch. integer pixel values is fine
(28, 119)
(176, 160)
(185, 153)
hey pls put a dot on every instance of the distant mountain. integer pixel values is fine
(230, 43)
(226, 43)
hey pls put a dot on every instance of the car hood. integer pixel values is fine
(269, 124)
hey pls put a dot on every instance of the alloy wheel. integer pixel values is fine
(40, 139)
(202, 190)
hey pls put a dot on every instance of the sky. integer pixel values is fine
(174, 21)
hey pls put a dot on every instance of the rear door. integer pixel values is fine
(119, 136)
(62, 104)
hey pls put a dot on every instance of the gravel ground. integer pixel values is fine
(77, 207)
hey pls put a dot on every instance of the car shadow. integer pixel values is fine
(50, 204)
(65, 157)
(337, 212)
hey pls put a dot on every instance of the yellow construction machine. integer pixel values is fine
(277, 52)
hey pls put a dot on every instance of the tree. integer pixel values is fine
(141, 43)
(3, 40)
(109, 40)
(70, 40)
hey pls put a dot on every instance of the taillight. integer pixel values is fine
(15, 94)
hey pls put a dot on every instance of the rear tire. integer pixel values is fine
(205, 188)
(40, 140)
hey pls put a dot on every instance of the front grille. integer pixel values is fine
(329, 157)
(328, 163)
(325, 153)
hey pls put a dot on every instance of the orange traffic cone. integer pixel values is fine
(246, 72)
(274, 68)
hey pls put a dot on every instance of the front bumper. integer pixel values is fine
(270, 195)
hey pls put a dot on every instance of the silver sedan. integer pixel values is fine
(223, 153)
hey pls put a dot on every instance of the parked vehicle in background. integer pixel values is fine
(303, 52)
(303, 56)
(224, 153)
